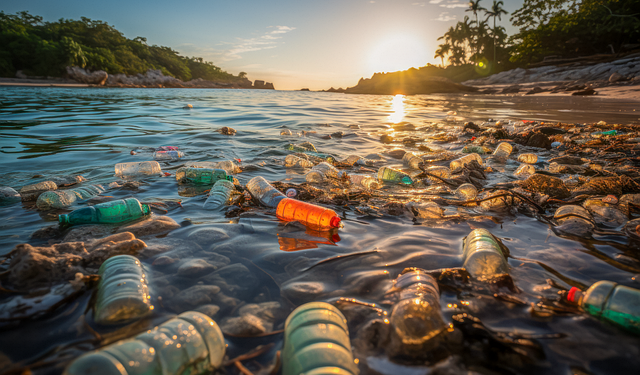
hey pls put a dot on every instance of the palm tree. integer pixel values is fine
(495, 11)
(474, 6)
(443, 51)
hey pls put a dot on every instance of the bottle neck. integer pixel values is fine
(63, 219)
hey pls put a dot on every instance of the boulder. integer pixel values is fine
(539, 140)
(99, 77)
(615, 77)
(545, 184)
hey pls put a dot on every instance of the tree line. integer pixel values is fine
(45, 48)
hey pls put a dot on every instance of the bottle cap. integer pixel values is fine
(335, 222)
(573, 295)
(290, 193)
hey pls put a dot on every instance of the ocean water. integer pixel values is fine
(55, 131)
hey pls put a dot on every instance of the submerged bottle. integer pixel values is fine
(525, 170)
(191, 343)
(416, 319)
(460, 163)
(574, 220)
(387, 174)
(357, 160)
(137, 168)
(201, 176)
(292, 161)
(466, 192)
(528, 158)
(114, 212)
(364, 181)
(474, 149)
(303, 147)
(440, 171)
(54, 199)
(323, 172)
(412, 161)
(33, 191)
(123, 293)
(606, 300)
(483, 256)
(316, 341)
(168, 155)
(502, 152)
(264, 192)
(219, 195)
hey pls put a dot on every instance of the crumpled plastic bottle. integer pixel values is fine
(54, 199)
(387, 174)
(459, 163)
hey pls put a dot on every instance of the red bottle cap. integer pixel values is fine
(335, 222)
(573, 295)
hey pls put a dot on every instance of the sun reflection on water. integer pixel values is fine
(397, 105)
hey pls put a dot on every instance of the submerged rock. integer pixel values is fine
(33, 191)
(152, 225)
(545, 184)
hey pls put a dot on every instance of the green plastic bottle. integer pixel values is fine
(201, 176)
(606, 300)
(113, 212)
(191, 343)
(387, 174)
(316, 341)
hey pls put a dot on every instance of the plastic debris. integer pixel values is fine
(483, 256)
(114, 212)
(201, 176)
(460, 163)
(137, 168)
(219, 195)
(387, 174)
(54, 199)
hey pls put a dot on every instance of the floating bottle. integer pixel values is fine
(167, 148)
(483, 256)
(137, 168)
(416, 319)
(219, 195)
(574, 220)
(33, 191)
(201, 176)
(310, 215)
(303, 147)
(525, 170)
(292, 161)
(191, 343)
(460, 163)
(323, 172)
(528, 158)
(440, 171)
(8, 196)
(55, 199)
(264, 192)
(316, 341)
(228, 165)
(168, 155)
(606, 300)
(364, 181)
(114, 212)
(412, 161)
(502, 152)
(123, 293)
(387, 174)
(466, 192)
(469, 149)
(357, 160)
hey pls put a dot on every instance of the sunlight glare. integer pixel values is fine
(398, 52)
(397, 106)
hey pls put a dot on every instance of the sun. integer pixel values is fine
(397, 52)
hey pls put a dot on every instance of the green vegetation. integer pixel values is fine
(45, 48)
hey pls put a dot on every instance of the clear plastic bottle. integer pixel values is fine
(138, 168)
(168, 155)
(440, 171)
(483, 256)
(528, 158)
(466, 192)
(264, 192)
(309, 215)
(219, 195)
(8, 196)
(606, 300)
(412, 161)
(425, 210)
(292, 161)
(459, 163)
(191, 343)
(303, 147)
(416, 319)
(114, 212)
(201, 176)
(387, 174)
(323, 172)
(55, 199)
(123, 293)
(525, 170)
(228, 165)
(357, 160)
(469, 149)
(502, 152)
(316, 341)
(364, 181)
(31, 192)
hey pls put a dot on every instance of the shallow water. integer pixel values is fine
(54, 131)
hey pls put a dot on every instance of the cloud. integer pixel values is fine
(453, 4)
(420, 4)
(445, 17)
(435, 1)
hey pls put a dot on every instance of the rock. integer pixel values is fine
(193, 298)
(587, 91)
(615, 77)
(471, 125)
(234, 279)
(206, 236)
(262, 85)
(99, 77)
(514, 89)
(67, 180)
(410, 82)
(194, 268)
(33, 191)
(164, 261)
(209, 310)
(269, 311)
(395, 153)
(548, 130)
(8, 196)
(539, 140)
(47, 233)
(225, 130)
(300, 292)
(46, 265)
(245, 325)
(567, 160)
(386, 139)
(118, 244)
(535, 90)
(152, 225)
(608, 185)
(549, 185)
(87, 232)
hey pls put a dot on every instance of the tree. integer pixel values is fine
(442, 51)
(474, 6)
(495, 11)
(242, 75)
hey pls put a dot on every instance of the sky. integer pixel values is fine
(294, 44)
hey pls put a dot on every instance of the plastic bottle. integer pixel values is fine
(201, 176)
(118, 211)
(469, 149)
(439, 171)
(466, 192)
(502, 152)
(137, 168)
(168, 155)
(191, 343)
(606, 300)
(387, 174)
(323, 172)
(54, 199)
(316, 341)
(8, 196)
(412, 161)
(459, 163)
(483, 256)
(416, 318)
(304, 147)
(528, 158)
(123, 293)
(364, 181)
(31, 192)
(228, 165)
(356, 159)
(292, 161)
(219, 195)
(310, 215)
(525, 170)
(264, 192)
(571, 212)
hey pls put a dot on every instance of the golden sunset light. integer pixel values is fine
(398, 52)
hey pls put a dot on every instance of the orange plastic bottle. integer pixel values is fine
(308, 214)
